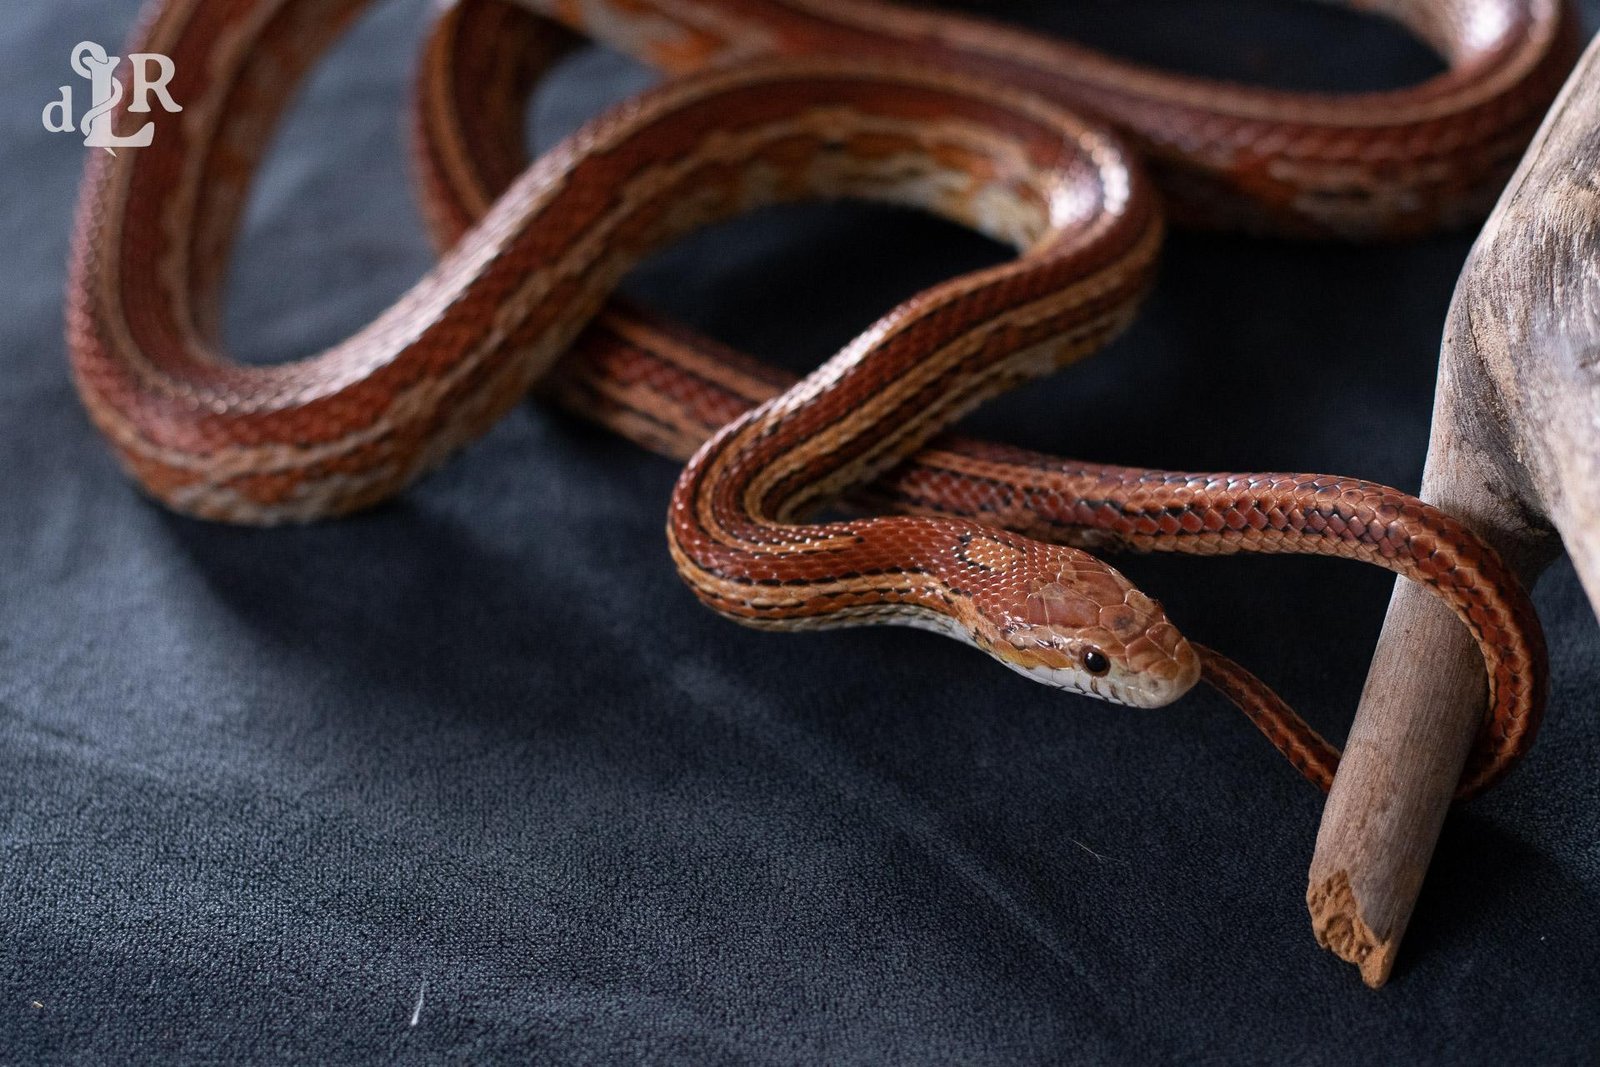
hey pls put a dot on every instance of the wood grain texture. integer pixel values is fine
(1515, 452)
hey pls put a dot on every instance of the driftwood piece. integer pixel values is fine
(1515, 452)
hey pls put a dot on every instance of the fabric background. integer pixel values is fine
(263, 791)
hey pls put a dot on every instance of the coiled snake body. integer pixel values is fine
(781, 100)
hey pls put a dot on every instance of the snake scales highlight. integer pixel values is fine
(959, 117)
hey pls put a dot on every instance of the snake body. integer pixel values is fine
(1379, 164)
(761, 115)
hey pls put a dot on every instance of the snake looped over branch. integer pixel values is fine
(980, 124)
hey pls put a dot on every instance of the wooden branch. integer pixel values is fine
(1515, 452)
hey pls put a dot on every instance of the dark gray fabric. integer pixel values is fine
(477, 759)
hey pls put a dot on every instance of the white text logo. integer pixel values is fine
(151, 73)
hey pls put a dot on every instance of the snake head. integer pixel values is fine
(1083, 627)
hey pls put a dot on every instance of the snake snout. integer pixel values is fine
(1159, 663)
(1163, 665)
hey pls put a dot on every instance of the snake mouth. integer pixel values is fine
(1148, 667)
(1143, 681)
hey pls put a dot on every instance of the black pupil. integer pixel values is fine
(1095, 662)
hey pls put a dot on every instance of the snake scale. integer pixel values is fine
(781, 100)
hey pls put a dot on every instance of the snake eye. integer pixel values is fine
(1095, 662)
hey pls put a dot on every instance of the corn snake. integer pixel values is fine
(344, 429)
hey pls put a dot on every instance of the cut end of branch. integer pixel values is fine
(1336, 920)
